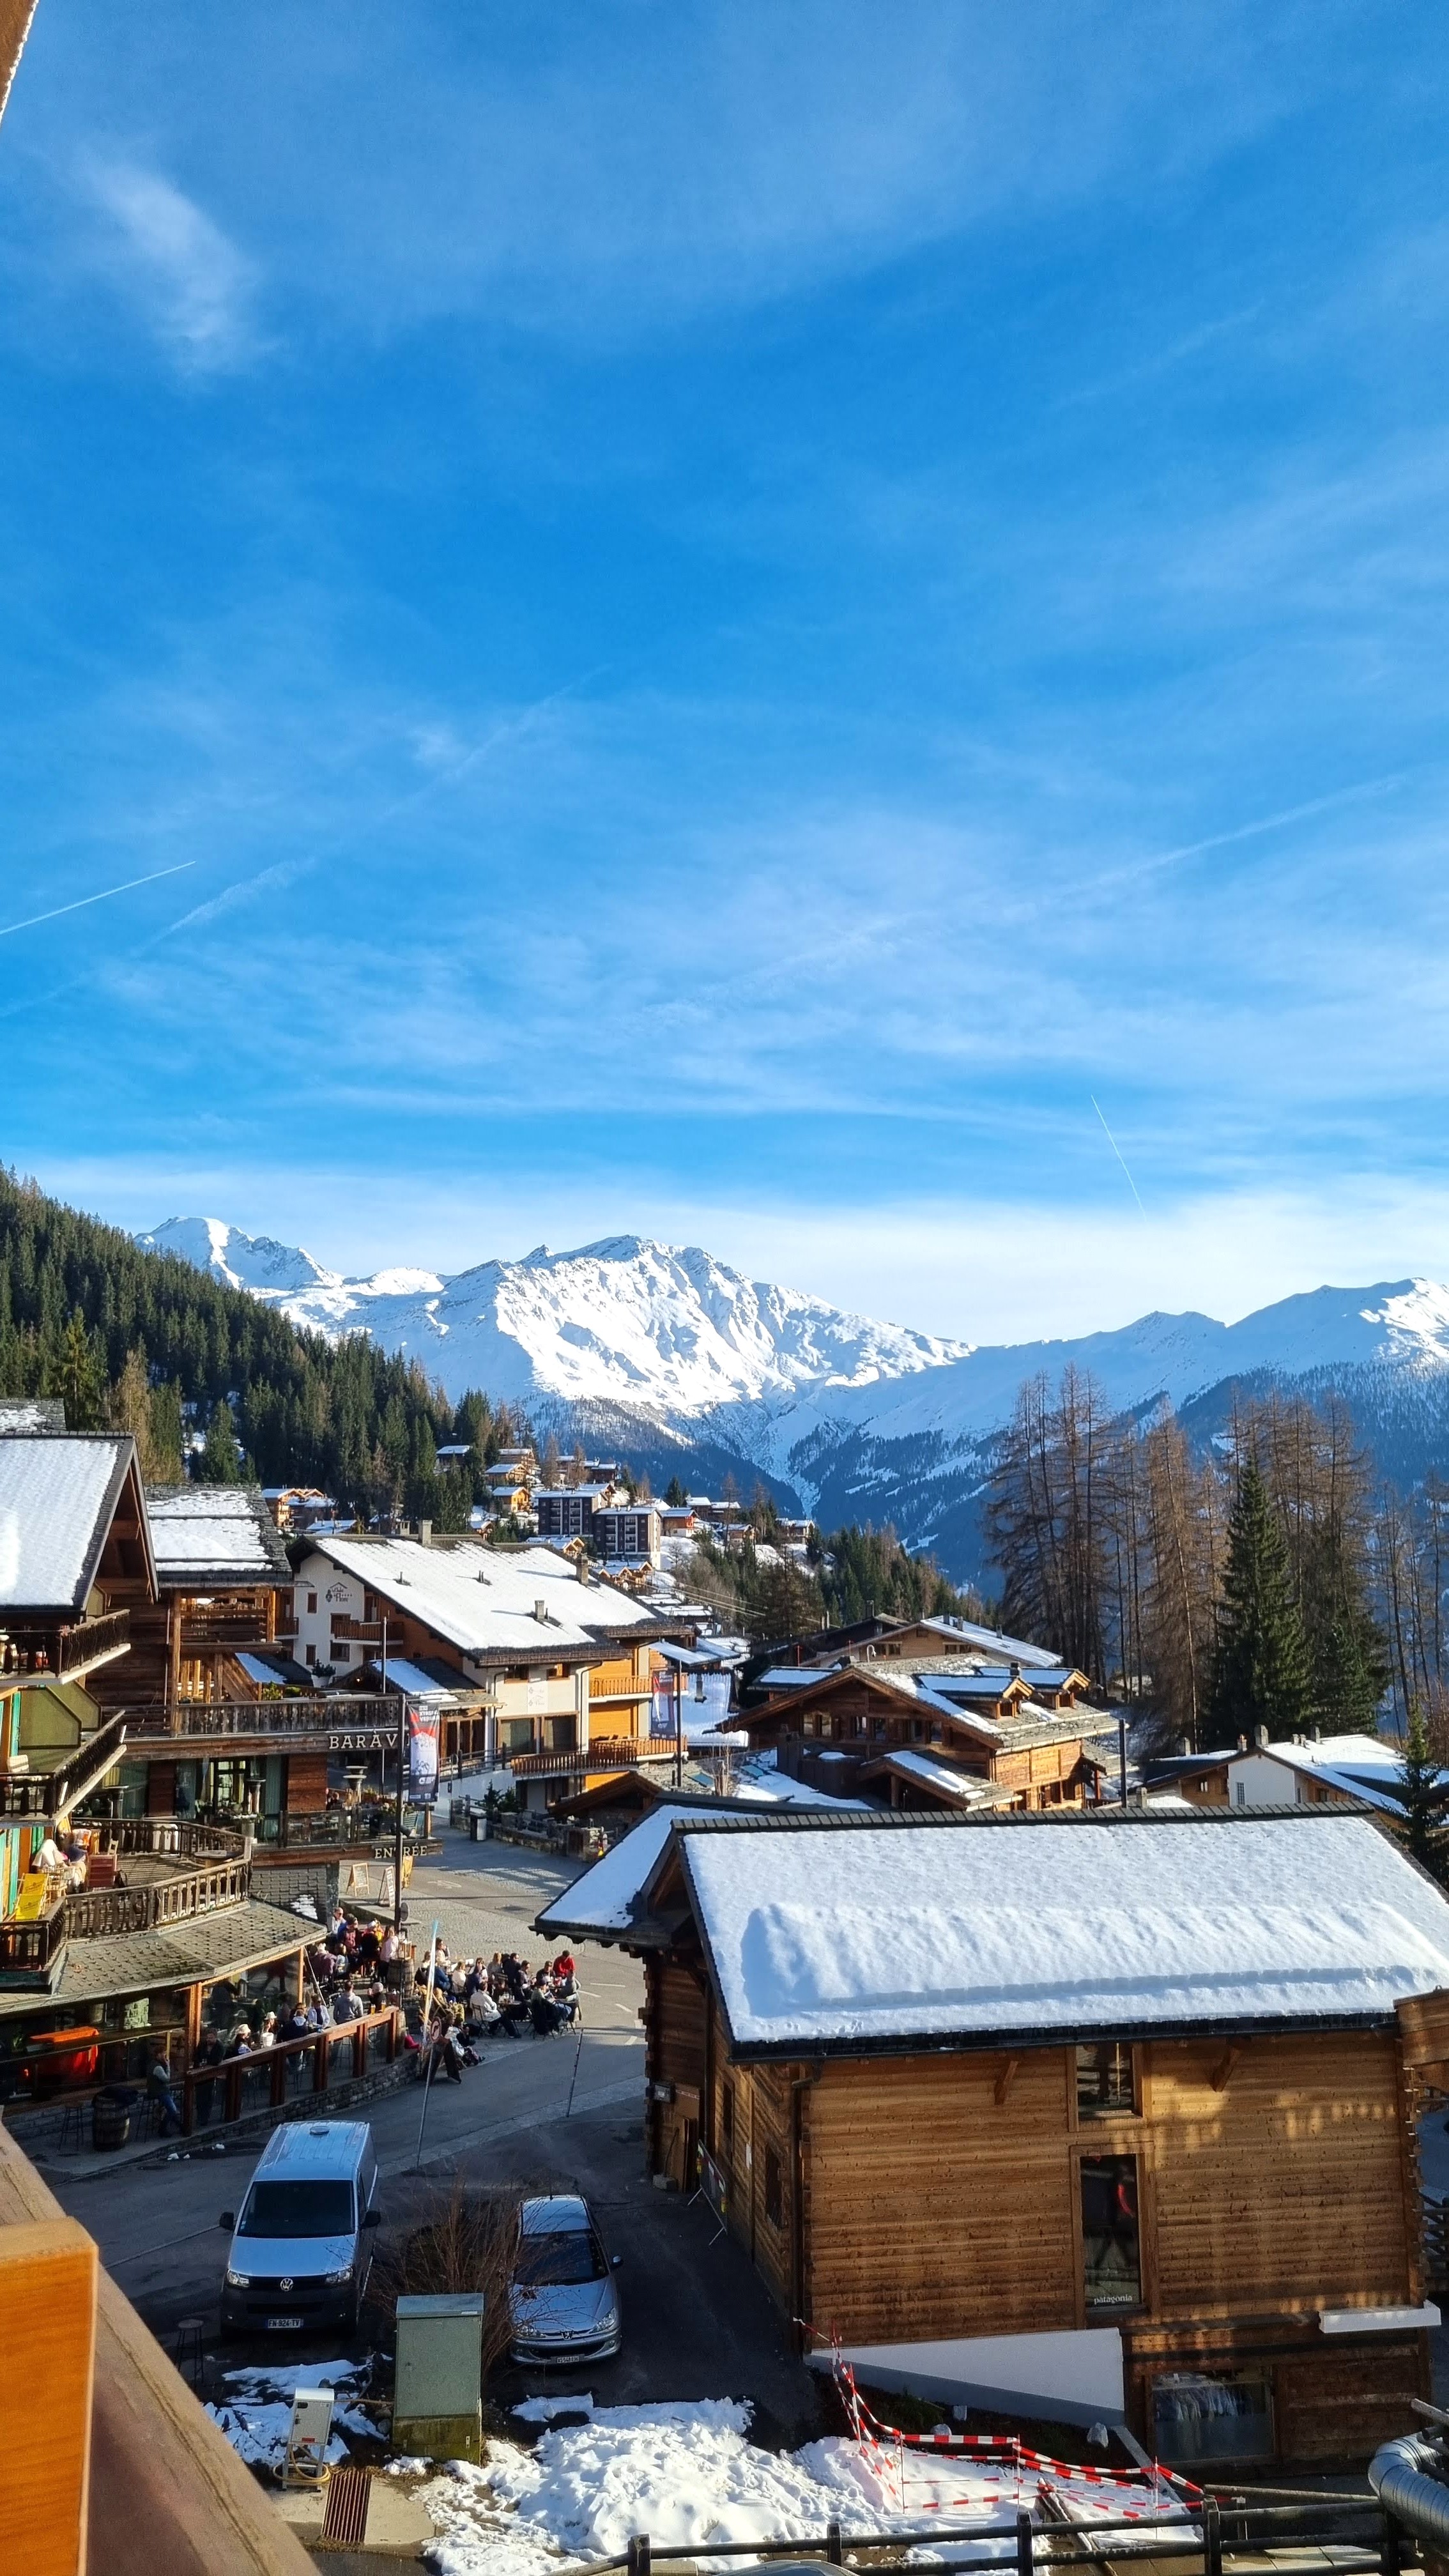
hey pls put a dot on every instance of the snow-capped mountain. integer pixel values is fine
(667, 1351)
(627, 1322)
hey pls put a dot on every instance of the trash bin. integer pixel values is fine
(112, 2112)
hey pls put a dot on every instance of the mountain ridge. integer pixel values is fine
(669, 1351)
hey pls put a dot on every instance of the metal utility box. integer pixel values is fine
(437, 2408)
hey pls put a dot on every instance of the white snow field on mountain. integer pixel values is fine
(640, 1343)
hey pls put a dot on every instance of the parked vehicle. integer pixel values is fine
(300, 2250)
(563, 2304)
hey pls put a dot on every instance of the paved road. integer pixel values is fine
(156, 2225)
(698, 2322)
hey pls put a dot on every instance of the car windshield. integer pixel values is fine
(557, 2261)
(297, 2209)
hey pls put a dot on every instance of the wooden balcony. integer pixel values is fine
(31, 1948)
(606, 1753)
(71, 1648)
(277, 1722)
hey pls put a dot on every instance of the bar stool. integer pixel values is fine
(188, 2356)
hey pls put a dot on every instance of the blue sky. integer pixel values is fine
(729, 614)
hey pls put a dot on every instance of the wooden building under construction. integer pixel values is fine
(1088, 2115)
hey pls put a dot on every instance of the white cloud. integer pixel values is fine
(195, 287)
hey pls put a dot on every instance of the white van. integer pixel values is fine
(300, 2252)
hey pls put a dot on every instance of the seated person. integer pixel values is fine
(345, 2006)
(48, 1855)
(545, 2014)
(483, 2013)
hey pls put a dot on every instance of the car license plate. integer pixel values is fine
(284, 2321)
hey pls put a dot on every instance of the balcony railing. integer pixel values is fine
(28, 1949)
(281, 1720)
(606, 1753)
(175, 1899)
(68, 1650)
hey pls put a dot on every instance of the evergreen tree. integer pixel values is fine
(1261, 1673)
(78, 1379)
(219, 1462)
(1424, 1800)
(675, 1495)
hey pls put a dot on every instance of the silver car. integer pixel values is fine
(563, 2303)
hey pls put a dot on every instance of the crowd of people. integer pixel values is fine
(473, 1998)
(356, 1968)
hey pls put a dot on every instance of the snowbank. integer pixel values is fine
(256, 2412)
(687, 2474)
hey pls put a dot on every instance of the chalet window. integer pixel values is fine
(727, 2119)
(1196, 2418)
(774, 2189)
(1105, 2089)
(1111, 2236)
(517, 1734)
(311, 1603)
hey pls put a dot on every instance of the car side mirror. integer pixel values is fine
(227, 2218)
(372, 2218)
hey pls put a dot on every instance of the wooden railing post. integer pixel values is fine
(1212, 2538)
(319, 2063)
(1024, 2545)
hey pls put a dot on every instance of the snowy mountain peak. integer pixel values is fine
(238, 1260)
(659, 1328)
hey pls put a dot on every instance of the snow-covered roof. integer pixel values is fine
(1012, 1650)
(881, 1933)
(208, 1537)
(602, 1900)
(412, 1681)
(942, 1778)
(482, 1600)
(58, 1496)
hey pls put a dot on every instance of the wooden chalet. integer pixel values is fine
(79, 1567)
(223, 1594)
(1116, 2105)
(552, 1670)
(931, 1733)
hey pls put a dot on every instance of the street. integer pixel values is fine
(536, 2115)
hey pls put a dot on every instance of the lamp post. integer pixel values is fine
(402, 1751)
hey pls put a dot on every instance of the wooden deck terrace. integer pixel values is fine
(173, 1871)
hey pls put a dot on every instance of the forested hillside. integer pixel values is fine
(153, 1346)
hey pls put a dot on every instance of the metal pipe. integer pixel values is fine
(1400, 2475)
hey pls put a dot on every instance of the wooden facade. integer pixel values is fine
(855, 1718)
(1231, 2197)
(919, 2198)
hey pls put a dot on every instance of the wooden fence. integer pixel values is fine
(240, 2078)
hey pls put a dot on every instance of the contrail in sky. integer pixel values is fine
(1117, 1150)
(104, 896)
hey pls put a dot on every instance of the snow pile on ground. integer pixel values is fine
(687, 2474)
(256, 2412)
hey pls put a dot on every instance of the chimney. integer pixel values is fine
(1183, 1746)
(581, 1568)
(1016, 1672)
(425, 1533)
(540, 1612)
(1260, 1738)
(1242, 1744)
